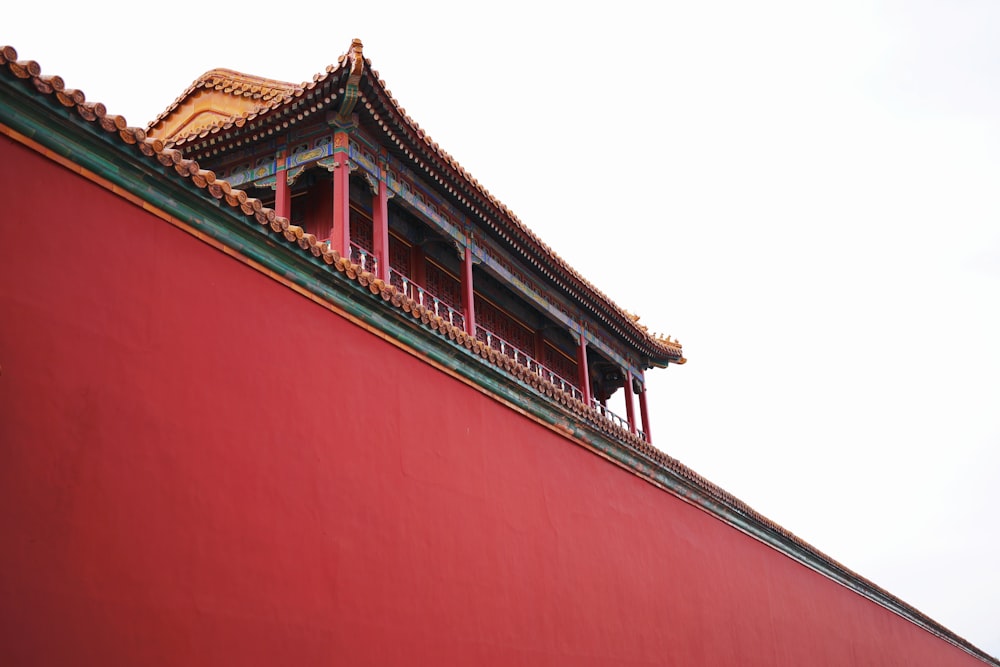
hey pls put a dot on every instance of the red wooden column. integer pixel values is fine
(282, 193)
(340, 237)
(380, 225)
(581, 362)
(468, 290)
(629, 408)
(644, 412)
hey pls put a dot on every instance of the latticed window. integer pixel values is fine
(400, 256)
(560, 364)
(506, 327)
(361, 230)
(444, 286)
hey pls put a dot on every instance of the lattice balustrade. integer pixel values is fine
(444, 300)
(503, 325)
(559, 362)
(363, 258)
(609, 415)
(520, 356)
(426, 298)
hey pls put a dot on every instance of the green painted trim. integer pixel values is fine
(64, 133)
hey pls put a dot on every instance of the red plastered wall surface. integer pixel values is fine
(200, 466)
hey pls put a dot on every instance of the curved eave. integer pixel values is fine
(408, 141)
(283, 112)
(265, 93)
(440, 168)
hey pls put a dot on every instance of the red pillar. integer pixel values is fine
(644, 413)
(581, 362)
(629, 408)
(380, 227)
(468, 291)
(340, 238)
(282, 193)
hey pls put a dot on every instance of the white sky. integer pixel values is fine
(803, 193)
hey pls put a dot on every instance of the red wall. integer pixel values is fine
(199, 466)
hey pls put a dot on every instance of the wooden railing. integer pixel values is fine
(426, 299)
(366, 260)
(609, 415)
(455, 317)
(517, 354)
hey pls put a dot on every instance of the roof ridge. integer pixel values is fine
(238, 76)
(268, 89)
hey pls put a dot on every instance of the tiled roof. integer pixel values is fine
(263, 93)
(376, 101)
(713, 496)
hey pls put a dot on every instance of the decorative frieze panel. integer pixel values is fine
(263, 172)
(609, 345)
(364, 158)
(518, 280)
(418, 200)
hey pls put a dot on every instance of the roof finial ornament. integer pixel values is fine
(354, 61)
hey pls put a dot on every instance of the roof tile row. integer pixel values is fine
(269, 92)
